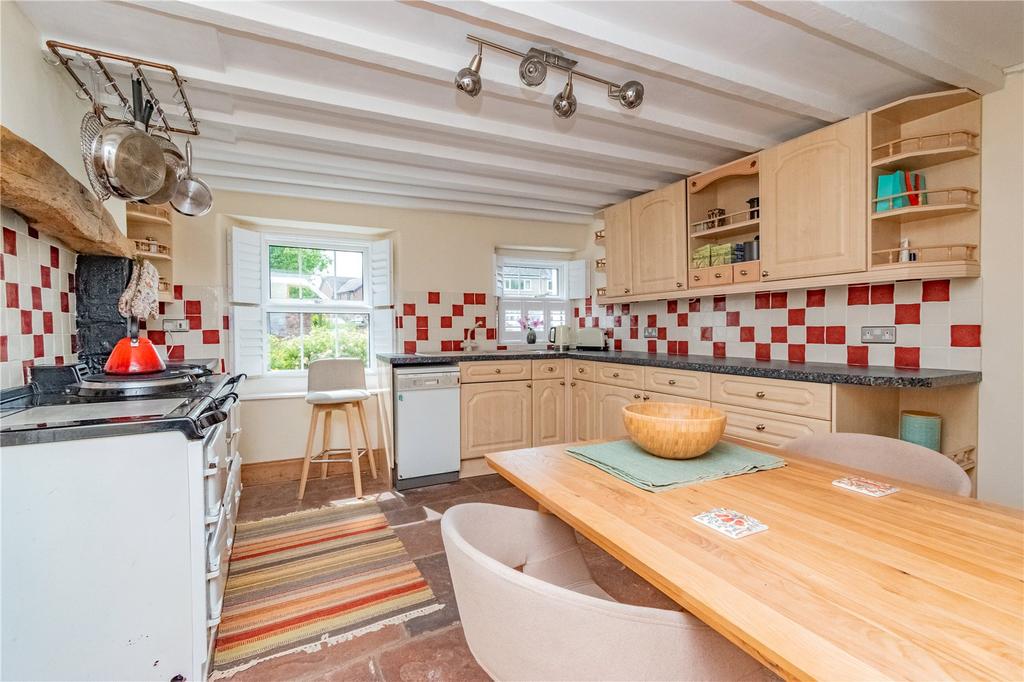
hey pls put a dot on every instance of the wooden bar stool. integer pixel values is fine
(338, 384)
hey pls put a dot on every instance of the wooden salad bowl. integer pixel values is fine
(674, 430)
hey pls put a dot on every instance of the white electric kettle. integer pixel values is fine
(560, 337)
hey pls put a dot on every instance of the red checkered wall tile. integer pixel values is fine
(38, 302)
(205, 310)
(442, 320)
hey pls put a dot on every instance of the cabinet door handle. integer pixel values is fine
(498, 370)
(636, 395)
(743, 273)
(671, 382)
(615, 375)
(580, 370)
(759, 394)
(625, 291)
(549, 369)
(679, 285)
(572, 383)
(696, 278)
(561, 383)
(760, 427)
(718, 275)
(764, 273)
(529, 385)
(646, 397)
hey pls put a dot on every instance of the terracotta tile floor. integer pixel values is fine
(431, 647)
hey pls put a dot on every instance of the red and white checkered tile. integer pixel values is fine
(38, 301)
(443, 320)
(938, 324)
(206, 312)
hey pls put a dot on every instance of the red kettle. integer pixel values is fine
(133, 355)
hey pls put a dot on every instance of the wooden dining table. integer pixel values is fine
(917, 585)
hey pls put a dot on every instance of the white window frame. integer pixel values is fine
(548, 303)
(270, 305)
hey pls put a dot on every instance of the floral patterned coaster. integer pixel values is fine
(865, 486)
(730, 522)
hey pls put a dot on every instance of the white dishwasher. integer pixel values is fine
(427, 427)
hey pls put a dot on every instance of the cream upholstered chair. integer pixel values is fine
(337, 384)
(551, 621)
(888, 457)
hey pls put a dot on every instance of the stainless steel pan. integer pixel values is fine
(192, 196)
(126, 158)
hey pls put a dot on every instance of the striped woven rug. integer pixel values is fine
(303, 580)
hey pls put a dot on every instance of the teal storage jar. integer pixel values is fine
(921, 428)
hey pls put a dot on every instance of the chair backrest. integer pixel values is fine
(520, 626)
(336, 374)
(886, 456)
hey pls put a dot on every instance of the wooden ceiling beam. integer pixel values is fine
(871, 28)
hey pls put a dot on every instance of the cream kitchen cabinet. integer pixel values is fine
(550, 419)
(770, 429)
(496, 416)
(582, 410)
(618, 250)
(814, 203)
(608, 404)
(658, 240)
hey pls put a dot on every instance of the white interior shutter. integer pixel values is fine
(248, 335)
(579, 279)
(380, 273)
(499, 276)
(382, 297)
(246, 271)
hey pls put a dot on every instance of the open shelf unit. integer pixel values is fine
(938, 137)
(149, 226)
(719, 213)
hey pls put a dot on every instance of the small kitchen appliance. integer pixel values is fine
(133, 355)
(590, 338)
(561, 337)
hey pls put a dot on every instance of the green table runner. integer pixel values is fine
(626, 460)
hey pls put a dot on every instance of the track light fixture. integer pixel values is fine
(533, 69)
(468, 79)
(565, 102)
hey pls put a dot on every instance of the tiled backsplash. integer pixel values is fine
(205, 311)
(442, 320)
(38, 304)
(938, 324)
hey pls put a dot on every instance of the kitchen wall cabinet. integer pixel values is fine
(582, 410)
(658, 240)
(549, 412)
(814, 203)
(618, 250)
(496, 416)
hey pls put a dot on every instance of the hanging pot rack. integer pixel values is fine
(66, 54)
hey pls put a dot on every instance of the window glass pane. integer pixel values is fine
(315, 275)
(298, 338)
(535, 319)
(558, 316)
(513, 324)
(530, 281)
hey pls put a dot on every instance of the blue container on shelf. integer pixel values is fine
(922, 428)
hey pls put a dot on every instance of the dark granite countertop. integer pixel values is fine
(816, 372)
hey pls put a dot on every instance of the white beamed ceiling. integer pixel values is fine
(353, 101)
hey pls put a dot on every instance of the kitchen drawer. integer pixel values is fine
(582, 369)
(749, 271)
(656, 397)
(801, 398)
(221, 533)
(627, 376)
(215, 481)
(215, 446)
(707, 277)
(549, 369)
(678, 382)
(769, 428)
(495, 370)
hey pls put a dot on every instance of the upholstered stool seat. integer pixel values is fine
(340, 396)
(338, 384)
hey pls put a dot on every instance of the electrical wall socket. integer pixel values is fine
(878, 334)
(175, 325)
(650, 332)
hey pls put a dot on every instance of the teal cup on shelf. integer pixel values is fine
(921, 428)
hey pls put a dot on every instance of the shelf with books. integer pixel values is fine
(926, 204)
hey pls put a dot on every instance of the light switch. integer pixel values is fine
(170, 325)
(878, 334)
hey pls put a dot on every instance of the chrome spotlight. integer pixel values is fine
(533, 70)
(468, 79)
(565, 102)
(630, 94)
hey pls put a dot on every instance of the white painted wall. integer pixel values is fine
(1001, 420)
(38, 102)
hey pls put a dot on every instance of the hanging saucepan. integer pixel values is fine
(192, 196)
(174, 170)
(126, 158)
